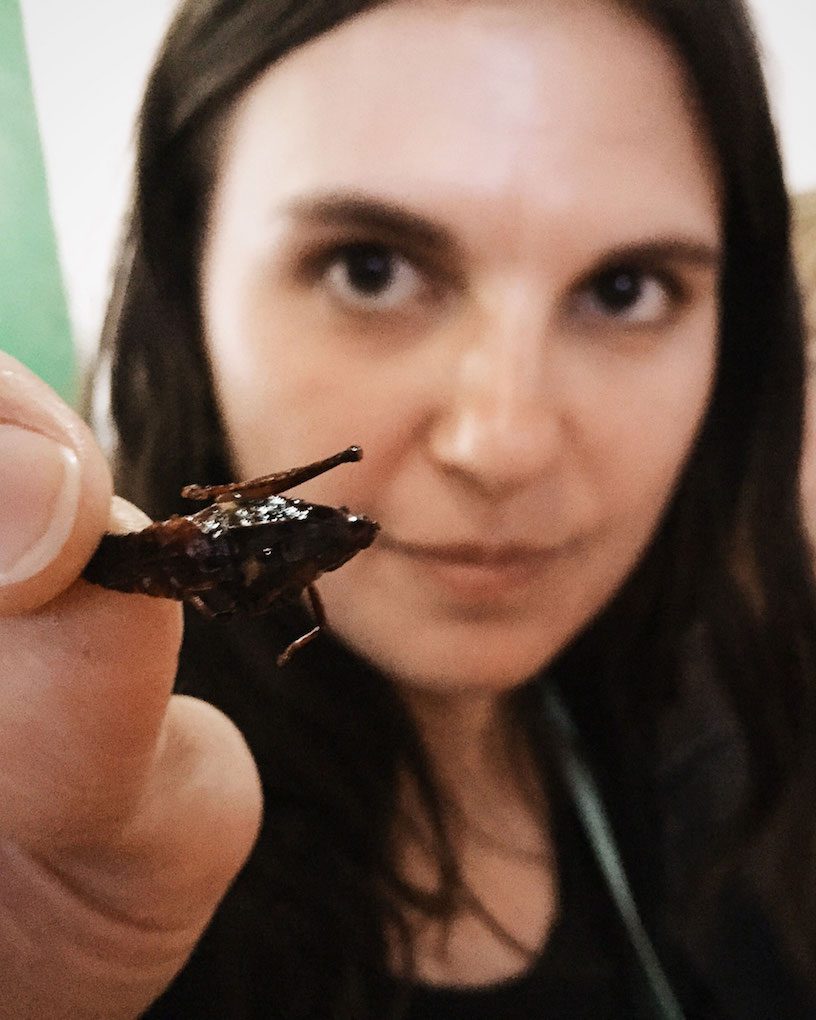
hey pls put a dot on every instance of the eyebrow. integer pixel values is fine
(365, 213)
(350, 210)
(700, 254)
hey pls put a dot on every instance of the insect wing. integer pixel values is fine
(258, 537)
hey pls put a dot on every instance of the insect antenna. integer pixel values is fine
(271, 485)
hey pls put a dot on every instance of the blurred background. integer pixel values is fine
(71, 74)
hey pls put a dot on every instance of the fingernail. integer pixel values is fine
(39, 498)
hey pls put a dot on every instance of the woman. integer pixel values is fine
(518, 253)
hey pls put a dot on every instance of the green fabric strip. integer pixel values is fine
(34, 322)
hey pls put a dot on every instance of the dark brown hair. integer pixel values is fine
(729, 563)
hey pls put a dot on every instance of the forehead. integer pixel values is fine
(551, 106)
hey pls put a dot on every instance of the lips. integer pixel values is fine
(473, 571)
(471, 553)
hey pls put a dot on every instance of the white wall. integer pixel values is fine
(88, 61)
(787, 31)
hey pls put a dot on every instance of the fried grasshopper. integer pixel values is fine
(251, 551)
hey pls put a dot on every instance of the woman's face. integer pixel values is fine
(480, 240)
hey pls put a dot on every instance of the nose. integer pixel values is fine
(500, 426)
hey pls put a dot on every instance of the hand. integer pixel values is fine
(125, 812)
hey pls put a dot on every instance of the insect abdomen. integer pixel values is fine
(164, 560)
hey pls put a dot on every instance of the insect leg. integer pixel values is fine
(201, 606)
(272, 485)
(317, 605)
(320, 618)
(296, 645)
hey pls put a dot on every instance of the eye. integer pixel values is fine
(629, 296)
(372, 277)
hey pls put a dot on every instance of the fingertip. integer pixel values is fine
(125, 517)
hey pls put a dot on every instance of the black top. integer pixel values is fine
(261, 940)
(585, 971)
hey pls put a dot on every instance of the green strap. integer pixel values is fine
(34, 323)
(596, 825)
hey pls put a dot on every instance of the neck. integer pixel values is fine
(466, 734)
(479, 757)
(485, 772)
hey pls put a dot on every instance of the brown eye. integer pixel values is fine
(372, 277)
(369, 269)
(627, 295)
(619, 290)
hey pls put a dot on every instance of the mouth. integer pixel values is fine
(469, 553)
(472, 570)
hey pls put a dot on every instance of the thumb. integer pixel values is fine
(56, 491)
(85, 673)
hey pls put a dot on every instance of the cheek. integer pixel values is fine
(644, 427)
(277, 397)
(282, 410)
(288, 394)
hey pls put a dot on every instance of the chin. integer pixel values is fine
(448, 661)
